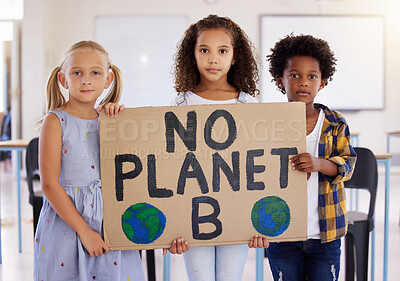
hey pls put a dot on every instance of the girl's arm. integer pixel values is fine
(178, 246)
(258, 242)
(50, 146)
(111, 109)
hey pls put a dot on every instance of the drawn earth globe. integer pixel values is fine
(143, 223)
(270, 216)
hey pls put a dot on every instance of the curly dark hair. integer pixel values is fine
(243, 75)
(301, 45)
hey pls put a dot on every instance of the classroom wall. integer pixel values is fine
(50, 26)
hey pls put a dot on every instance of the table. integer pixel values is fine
(167, 267)
(17, 145)
(385, 159)
(389, 135)
(355, 142)
(355, 139)
(380, 158)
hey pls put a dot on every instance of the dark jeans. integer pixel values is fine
(308, 260)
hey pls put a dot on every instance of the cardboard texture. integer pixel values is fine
(198, 172)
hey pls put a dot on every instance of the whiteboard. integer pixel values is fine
(143, 47)
(358, 44)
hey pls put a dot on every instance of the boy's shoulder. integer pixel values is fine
(332, 116)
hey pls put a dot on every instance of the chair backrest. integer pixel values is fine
(32, 165)
(6, 127)
(365, 175)
(5, 135)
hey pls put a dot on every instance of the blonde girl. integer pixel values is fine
(69, 241)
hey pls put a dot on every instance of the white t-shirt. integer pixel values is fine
(193, 99)
(313, 231)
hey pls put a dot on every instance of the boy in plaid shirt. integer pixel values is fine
(301, 66)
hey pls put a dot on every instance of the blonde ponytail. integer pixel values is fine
(55, 98)
(115, 92)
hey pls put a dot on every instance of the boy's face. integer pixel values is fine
(301, 79)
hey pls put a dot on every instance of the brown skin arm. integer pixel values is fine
(258, 242)
(178, 246)
(305, 162)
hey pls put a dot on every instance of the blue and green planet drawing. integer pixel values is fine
(143, 223)
(270, 216)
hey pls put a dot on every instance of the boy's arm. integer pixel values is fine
(305, 162)
(344, 155)
(335, 169)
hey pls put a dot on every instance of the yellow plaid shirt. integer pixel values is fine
(334, 145)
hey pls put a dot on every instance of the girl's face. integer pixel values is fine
(214, 55)
(86, 76)
(301, 79)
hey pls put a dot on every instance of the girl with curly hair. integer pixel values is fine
(216, 61)
(215, 64)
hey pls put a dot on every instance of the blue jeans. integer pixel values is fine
(216, 263)
(308, 260)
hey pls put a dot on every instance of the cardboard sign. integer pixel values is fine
(213, 174)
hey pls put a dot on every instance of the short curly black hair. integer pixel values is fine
(301, 45)
(243, 75)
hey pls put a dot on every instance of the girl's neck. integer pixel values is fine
(81, 111)
(213, 91)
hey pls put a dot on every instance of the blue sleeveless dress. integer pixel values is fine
(58, 251)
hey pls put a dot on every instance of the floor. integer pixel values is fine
(19, 266)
